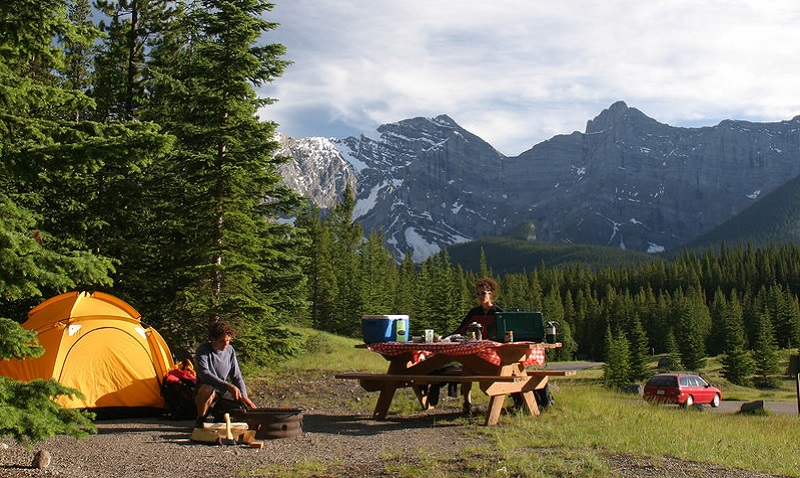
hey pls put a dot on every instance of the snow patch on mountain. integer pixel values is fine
(422, 249)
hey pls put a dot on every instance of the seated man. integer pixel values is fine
(215, 364)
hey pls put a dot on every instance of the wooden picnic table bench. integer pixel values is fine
(499, 368)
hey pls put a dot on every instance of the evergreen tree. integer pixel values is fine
(536, 295)
(718, 311)
(406, 288)
(782, 308)
(737, 364)
(690, 335)
(79, 174)
(78, 50)
(323, 281)
(121, 76)
(379, 276)
(553, 308)
(37, 129)
(425, 301)
(639, 350)
(765, 349)
(49, 162)
(346, 241)
(453, 306)
(462, 301)
(222, 193)
(29, 412)
(553, 311)
(568, 345)
(485, 271)
(617, 369)
(672, 350)
(516, 292)
(589, 309)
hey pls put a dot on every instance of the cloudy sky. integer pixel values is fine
(518, 72)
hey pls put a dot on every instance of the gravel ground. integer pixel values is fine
(337, 432)
(153, 448)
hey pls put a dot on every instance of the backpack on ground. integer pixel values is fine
(178, 389)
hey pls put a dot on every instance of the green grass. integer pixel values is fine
(576, 437)
(592, 422)
(326, 349)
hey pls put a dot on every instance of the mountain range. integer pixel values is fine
(627, 182)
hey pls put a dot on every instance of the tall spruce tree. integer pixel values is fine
(51, 159)
(765, 353)
(639, 350)
(718, 310)
(444, 297)
(691, 332)
(568, 347)
(737, 364)
(617, 369)
(318, 269)
(379, 276)
(346, 236)
(40, 141)
(406, 288)
(221, 192)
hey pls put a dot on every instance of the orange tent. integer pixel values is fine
(95, 343)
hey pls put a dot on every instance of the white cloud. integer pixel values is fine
(517, 72)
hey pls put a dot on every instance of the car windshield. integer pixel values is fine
(662, 381)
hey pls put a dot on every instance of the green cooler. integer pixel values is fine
(527, 326)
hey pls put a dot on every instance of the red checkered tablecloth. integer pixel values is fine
(485, 349)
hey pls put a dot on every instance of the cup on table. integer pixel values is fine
(428, 335)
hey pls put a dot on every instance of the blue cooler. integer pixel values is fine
(383, 328)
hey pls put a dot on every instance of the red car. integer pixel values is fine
(680, 388)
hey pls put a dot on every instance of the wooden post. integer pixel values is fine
(797, 388)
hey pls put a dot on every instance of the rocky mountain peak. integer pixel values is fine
(628, 182)
(317, 169)
(619, 116)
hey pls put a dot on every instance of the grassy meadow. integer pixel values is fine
(575, 437)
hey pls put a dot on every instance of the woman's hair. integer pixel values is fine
(220, 329)
(487, 284)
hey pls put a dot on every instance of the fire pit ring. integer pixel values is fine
(271, 423)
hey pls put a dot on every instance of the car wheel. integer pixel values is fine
(689, 401)
(715, 400)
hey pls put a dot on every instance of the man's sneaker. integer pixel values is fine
(200, 422)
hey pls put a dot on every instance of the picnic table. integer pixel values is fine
(499, 369)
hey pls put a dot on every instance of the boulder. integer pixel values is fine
(666, 363)
(753, 407)
(41, 459)
(633, 389)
